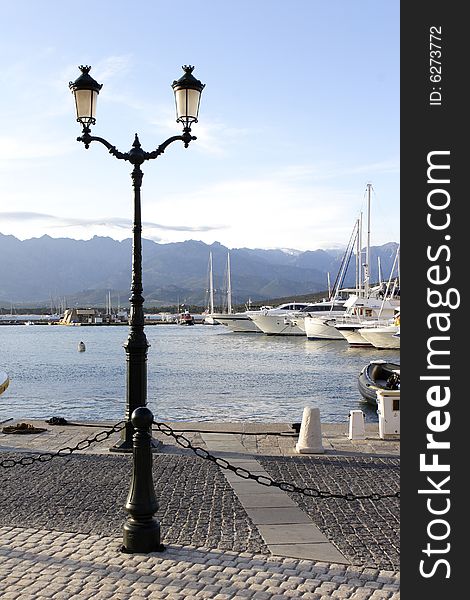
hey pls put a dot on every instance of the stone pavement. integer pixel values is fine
(225, 537)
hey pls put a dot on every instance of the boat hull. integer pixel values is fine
(288, 319)
(210, 320)
(237, 322)
(317, 328)
(277, 325)
(383, 338)
(352, 336)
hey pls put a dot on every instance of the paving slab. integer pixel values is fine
(276, 515)
(322, 551)
(292, 533)
(276, 499)
(282, 528)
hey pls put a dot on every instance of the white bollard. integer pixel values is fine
(357, 430)
(310, 441)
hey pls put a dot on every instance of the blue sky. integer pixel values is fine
(300, 111)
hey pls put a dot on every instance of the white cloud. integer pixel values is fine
(113, 66)
(23, 149)
(213, 136)
(86, 228)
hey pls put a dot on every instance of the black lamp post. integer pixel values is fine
(187, 91)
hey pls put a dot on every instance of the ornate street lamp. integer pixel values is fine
(86, 90)
(187, 91)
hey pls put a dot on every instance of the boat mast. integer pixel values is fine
(358, 258)
(329, 286)
(359, 253)
(367, 265)
(343, 268)
(229, 286)
(211, 286)
(387, 290)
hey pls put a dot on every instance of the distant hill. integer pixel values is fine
(46, 270)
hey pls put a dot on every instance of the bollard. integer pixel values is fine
(141, 532)
(310, 441)
(357, 429)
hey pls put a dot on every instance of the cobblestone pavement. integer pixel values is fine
(198, 506)
(37, 563)
(365, 531)
(60, 524)
(87, 494)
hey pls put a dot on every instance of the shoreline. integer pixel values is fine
(264, 438)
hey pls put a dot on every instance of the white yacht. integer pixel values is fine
(387, 337)
(364, 313)
(287, 319)
(322, 326)
(238, 322)
(377, 309)
(318, 321)
(349, 330)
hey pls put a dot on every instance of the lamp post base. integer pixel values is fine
(141, 537)
(155, 446)
(126, 443)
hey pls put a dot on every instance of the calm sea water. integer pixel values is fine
(199, 373)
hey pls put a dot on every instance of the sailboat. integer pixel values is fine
(318, 325)
(209, 313)
(370, 307)
(238, 322)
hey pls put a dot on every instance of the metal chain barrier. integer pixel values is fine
(202, 453)
(264, 479)
(47, 456)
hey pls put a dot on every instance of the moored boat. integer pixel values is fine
(185, 318)
(378, 375)
(383, 338)
(285, 318)
(350, 331)
(323, 327)
(238, 322)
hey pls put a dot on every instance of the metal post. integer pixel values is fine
(141, 532)
(136, 346)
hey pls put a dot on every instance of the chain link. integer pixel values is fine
(202, 453)
(265, 479)
(25, 461)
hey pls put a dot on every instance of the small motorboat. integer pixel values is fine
(81, 347)
(378, 375)
(185, 318)
(4, 381)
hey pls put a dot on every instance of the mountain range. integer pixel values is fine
(42, 271)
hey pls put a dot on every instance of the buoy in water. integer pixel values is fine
(81, 347)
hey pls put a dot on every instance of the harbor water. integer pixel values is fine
(198, 373)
